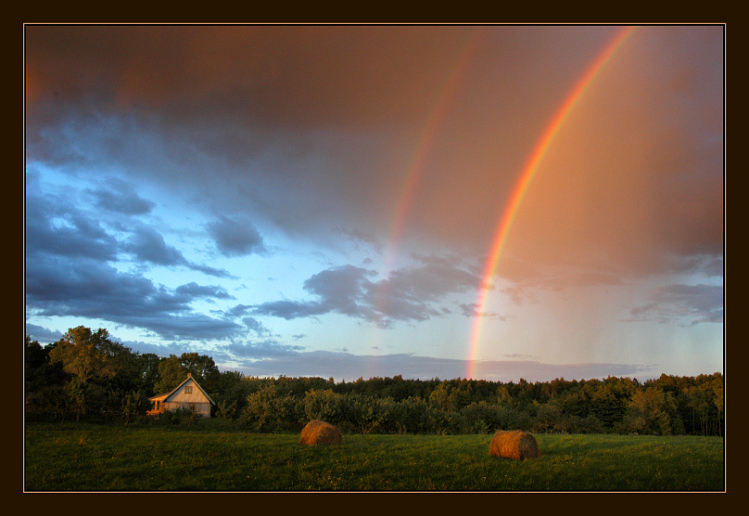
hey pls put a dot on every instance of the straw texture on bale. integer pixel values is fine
(514, 444)
(320, 432)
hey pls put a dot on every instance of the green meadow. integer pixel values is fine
(215, 457)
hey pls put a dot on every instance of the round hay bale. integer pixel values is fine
(514, 444)
(320, 432)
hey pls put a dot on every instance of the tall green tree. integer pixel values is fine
(101, 371)
(718, 401)
(45, 380)
(173, 370)
(39, 370)
(148, 372)
(653, 411)
(89, 355)
(440, 397)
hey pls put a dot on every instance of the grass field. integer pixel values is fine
(214, 457)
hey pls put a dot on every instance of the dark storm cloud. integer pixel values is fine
(283, 96)
(436, 277)
(359, 236)
(254, 72)
(415, 293)
(408, 294)
(210, 271)
(294, 123)
(235, 238)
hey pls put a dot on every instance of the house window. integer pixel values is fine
(192, 407)
(188, 390)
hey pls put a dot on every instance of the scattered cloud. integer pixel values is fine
(256, 326)
(235, 238)
(193, 290)
(472, 310)
(407, 294)
(149, 246)
(714, 267)
(55, 227)
(120, 197)
(89, 288)
(42, 334)
(694, 304)
(165, 348)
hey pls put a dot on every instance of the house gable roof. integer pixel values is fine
(164, 397)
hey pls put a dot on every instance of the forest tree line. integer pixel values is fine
(87, 376)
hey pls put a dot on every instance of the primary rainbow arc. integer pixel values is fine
(526, 177)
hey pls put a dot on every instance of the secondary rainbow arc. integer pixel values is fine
(406, 193)
(417, 165)
(412, 178)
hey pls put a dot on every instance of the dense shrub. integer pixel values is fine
(268, 411)
(180, 416)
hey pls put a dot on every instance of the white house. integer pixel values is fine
(189, 394)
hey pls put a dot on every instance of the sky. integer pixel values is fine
(351, 201)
